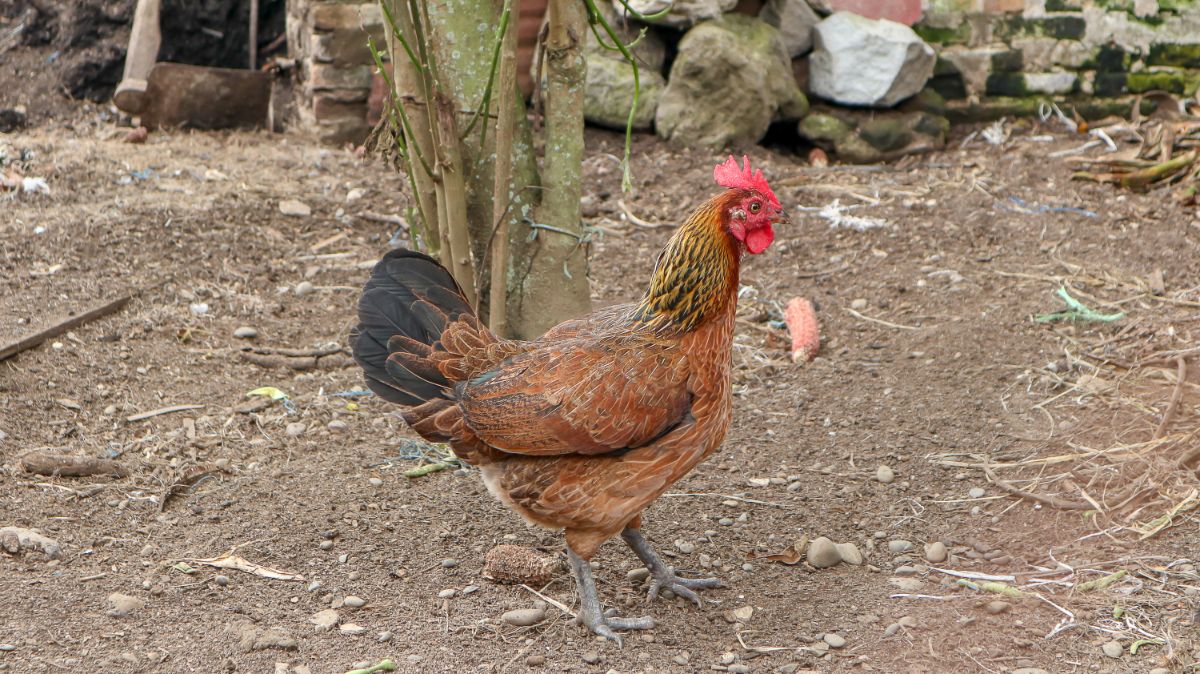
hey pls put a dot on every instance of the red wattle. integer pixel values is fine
(759, 238)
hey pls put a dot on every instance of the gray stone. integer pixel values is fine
(834, 640)
(524, 617)
(1051, 83)
(352, 629)
(295, 208)
(860, 61)
(609, 93)
(354, 602)
(976, 492)
(883, 474)
(731, 78)
(121, 605)
(295, 428)
(683, 13)
(936, 552)
(997, 607)
(849, 553)
(973, 65)
(906, 584)
(795, 20)
(323, 621)
(822, 553)
(245, 332)
(1113, 649)
(899, 545)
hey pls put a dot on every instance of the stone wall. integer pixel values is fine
(1002, 56)
(328, 39)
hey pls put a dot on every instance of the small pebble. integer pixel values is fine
(898, 546)
(295, 428)
(337, 425)
(303, 288)
(591, 657)
(976, 492)
(858, 304)
(936, 552)
(198, 308)
(351, 629)
(524, 617)
(725, 522)
(325, 545)
(636, 576)
(449, 563)
(728, 658)
(384, 636)
(375, 482)
(822, 553)
(354, 602)
(738, 669)
(343, 558)
(470, 589)
(885, 474)
(997, 607)
(447, 593)
(221, 580)
(906, 571)
(295, 208)
(535, 661)
(759, 481)
(834, 640)
(245, 332)
(685, 547)
(1113, 649)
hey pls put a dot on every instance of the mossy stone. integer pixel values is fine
(1175, 81)
(823, 128)
(1177, 55)
(1110, 84)
(959, 34)
(886, 133)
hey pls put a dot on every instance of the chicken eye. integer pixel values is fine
(755, 207)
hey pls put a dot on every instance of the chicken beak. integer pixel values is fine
(781, 218)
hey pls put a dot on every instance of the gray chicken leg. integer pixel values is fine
(590, 611)
(662, 577)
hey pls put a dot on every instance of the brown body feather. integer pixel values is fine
(586, 426)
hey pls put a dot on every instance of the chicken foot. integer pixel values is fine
(590, 610)
(662, 577)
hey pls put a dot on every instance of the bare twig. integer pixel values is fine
(60, 326)
(162, 410)
(46, 463)
(1048, 500)
(553, 602)
(880, 321)
(1176, 396)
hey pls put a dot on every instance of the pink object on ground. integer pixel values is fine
(906, 12)
(801, 320)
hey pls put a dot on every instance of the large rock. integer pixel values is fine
(795, 21)
(876, 63)
(730, 79)
(864, 138)
(683, 13)
(609, 91)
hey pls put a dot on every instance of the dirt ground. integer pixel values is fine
(931, 364)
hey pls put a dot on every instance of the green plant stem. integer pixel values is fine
(594, 17)
(503, 193)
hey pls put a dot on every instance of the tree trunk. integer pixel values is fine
(546, 278)
(553, 283)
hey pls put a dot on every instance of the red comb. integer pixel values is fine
(732, 176)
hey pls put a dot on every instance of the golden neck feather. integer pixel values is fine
(696, 278)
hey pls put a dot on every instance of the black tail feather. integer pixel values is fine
(411, 295)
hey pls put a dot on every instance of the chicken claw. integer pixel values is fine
(590, 615)
(662, 576)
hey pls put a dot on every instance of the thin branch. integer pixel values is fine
(1176, 396)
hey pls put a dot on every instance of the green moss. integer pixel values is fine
(1178, 55)
(1176, 6)
(959, 34)
(1087, 106)
(927, 100)
(1175, 81)
(1006, 84)
(1063, 5)
(936, 126)
(824, 128)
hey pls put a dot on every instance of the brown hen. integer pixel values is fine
(583, 428)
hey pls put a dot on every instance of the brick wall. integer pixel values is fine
(328, 39)
(1005, 54)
